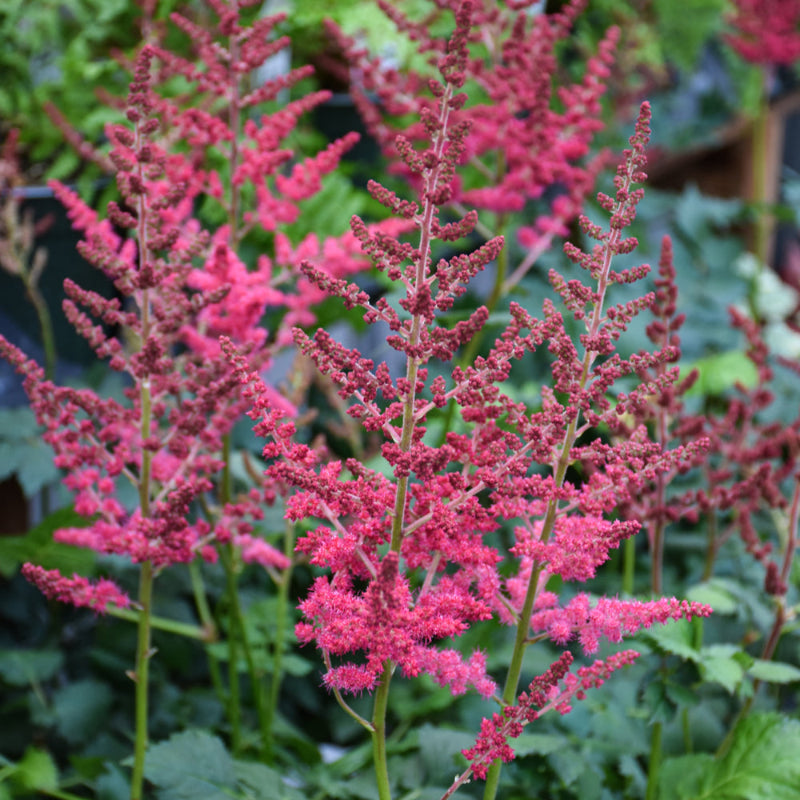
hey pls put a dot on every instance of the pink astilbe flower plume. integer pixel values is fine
(766, 31)
(179, 285)
(528, 145)
(76, 591)
(406, 551)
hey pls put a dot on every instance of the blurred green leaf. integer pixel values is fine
(717, 593)
(81, 709)
(721, 372)
(260, 782)
(680, 41)
(773, 671)
(37, 771)
(761, 764)
(22, 451)
(190, 765)
(26, 667)
(37, 546)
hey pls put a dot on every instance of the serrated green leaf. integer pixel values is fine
(296, 665)
(718, 664)
(259, 782)
(26, 667)
(674, 638)
(679, 776)
(189, 765)
(715, 594)
(774, 671)
(540, 743)
(761, 764)
(439, 747)
(17, 424)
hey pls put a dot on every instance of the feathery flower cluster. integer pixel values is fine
(519, 148)
(166, 437)
(767, 31)
(76, 591)
(551, 691)
(434, 505)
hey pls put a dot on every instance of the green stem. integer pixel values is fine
(208, 624)
(688, 744)
(238, 632)
(523, 626)
(559, 473)
(60, 794)
(234, 689)
(760, 160)
(140, 677)
(163, 624)
(281, 627)
(654, 768)
(764, 219)
(628, 565)
(379, 735)
(146, 575)
(45, 325)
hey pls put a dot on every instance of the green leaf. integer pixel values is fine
(674, 638)
(259, 782)
(718, 664)
(774, 671)
(26, 667)
(761, 764)
(539, 743)
(679, 776)
(37, 771)
(81, 709)
(189, 765)
(439, 747)
(720, 372)
(682, 43)
(715, 593)
(38, 547)
(22, 451)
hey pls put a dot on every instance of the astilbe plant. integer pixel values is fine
(179, 286)
(407, 552)
(528, 147)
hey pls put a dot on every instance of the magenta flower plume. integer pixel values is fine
(529, 136)
(552, 690)
(76, 591)
(766, 31)
(405, 549)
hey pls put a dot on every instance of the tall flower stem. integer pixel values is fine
(146, 575)
(140, 677)
(279, 642)
(432, 181)
(593, 326)
(379, 734)
(654, 762)
(207, 620)
(760, 191)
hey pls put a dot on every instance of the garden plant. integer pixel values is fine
(402, 490)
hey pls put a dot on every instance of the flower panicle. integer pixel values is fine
(76, 591)
(553, 690)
